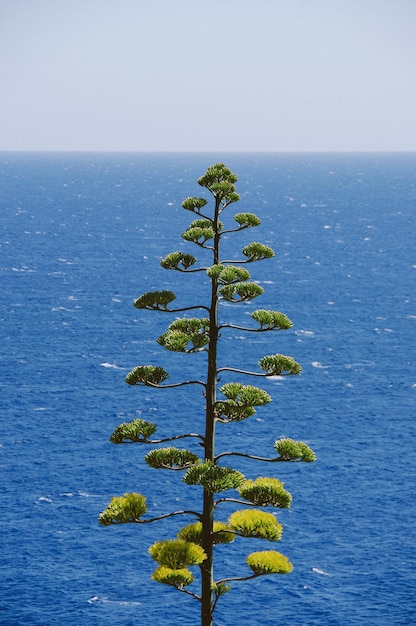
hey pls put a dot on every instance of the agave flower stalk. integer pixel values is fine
(229, 283)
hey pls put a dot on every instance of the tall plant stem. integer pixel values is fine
(208, 506)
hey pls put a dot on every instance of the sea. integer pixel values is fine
(82, 236)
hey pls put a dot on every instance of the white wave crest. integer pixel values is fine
(319, 365)
(105, 600)
(320, 571)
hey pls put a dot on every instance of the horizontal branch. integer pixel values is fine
(250, 456)
(238, 371)
(155, 441)
(236, 500)
(234, 230)
(250, 330)
(186, 308)
(186, 382)
(187, 271)
(234, 578)
(156, 519)
(239, 261)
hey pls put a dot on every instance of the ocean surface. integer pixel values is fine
(81, 236)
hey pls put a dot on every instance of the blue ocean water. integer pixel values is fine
(81, 236)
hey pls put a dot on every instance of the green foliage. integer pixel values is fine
(215, 270)
(241, 292)
(256, 251)
(269, 562)
(247, 220)
(171, 458)
(177, 553)
(291, 450)
(158, 300)
(136, 430)
(213, 477)
(231, 412)
(178, 578)
(174, 340)
(228, 274)
(123, 509)
(194, 204)
(146, 375)
(201, 223)
(198, 235)
(220, 533)
(191, 325)
(279, 365)
(266, 492)
(271, 320)
(220, 182)
(257, 524)
(215, 174)
(233, 274)
(206, 223)
(245, 395)
(184, 331)
(178, 261)
(241, 400)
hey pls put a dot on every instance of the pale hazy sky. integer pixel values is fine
(208, 75)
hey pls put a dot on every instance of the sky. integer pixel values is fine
(208, 75)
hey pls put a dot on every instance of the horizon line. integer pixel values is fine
(129, 151)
